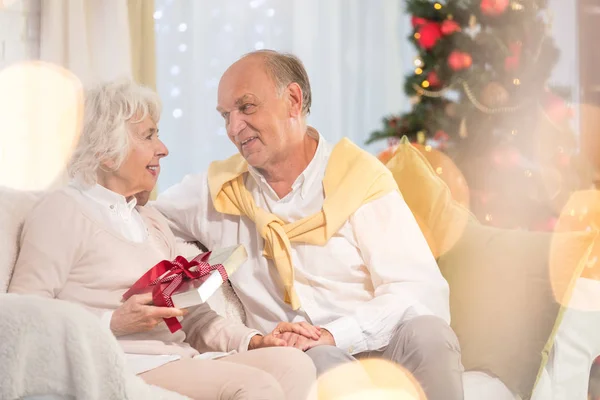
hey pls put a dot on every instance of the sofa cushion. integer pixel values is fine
(441, 219)
(14, 207)
(506, 291)
(506, 287)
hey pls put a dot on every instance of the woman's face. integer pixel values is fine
(141, 167)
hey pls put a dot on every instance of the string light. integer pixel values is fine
(439, 170)
(418, 62)
(418, 71)
(516, 6)
(425, 84)
(437, 6)
(514, 132)
(428, 148)
(517, 81)
(488, 217)
(417, 36)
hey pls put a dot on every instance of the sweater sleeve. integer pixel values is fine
(208, 331)
(51, 243)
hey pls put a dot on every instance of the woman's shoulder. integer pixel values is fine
(59, 204)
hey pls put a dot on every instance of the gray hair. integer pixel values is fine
(109, 108)
(286, 68)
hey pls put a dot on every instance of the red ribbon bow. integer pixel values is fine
(167, 276)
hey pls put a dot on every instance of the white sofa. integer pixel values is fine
(564, 378)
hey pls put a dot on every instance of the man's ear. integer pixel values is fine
(294, 93)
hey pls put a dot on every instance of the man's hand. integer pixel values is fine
(274, 338)
(135, 315)
(303, 343)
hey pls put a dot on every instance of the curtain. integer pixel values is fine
(355, 52)
(143, 46)
(89, 38)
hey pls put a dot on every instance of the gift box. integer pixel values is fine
(184, 283)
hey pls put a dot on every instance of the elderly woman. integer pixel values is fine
(88, 243)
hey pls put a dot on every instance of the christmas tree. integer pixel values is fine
(480, 94)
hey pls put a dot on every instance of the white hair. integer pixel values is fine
(108, 110)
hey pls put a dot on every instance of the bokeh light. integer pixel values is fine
(579, 256)
(373, 379)
(41, 107)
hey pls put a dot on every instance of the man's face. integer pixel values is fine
(256, 117)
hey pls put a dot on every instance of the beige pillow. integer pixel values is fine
(506, 287)
(506, 291)
(441, 219)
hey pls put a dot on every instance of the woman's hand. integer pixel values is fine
(135, 315)
(276, 338)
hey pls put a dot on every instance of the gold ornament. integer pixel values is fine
(462, 130)
(418, 71)
(494, 95)
(472, 21)
(420, 137)
(516, 6)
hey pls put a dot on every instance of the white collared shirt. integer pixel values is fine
(113, 210)
(374, 273)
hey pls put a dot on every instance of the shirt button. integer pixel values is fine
(112, 207)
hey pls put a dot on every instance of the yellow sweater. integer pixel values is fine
(353, 177)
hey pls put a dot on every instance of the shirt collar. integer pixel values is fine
(307, 177)
(107, 198)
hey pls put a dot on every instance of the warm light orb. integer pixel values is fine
(570, 260)
(41, 107)
(373, 379)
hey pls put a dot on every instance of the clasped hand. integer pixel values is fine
(300, 335)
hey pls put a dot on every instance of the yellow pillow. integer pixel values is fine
(441, 219)
(506, 287)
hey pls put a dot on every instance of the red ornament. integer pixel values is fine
(450, 26)
(493, 8)
(433, 79)
(467, 60)
(512, 62)
(429, 34)
(458, 60)
(417, 21)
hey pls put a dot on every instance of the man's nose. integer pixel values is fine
(236, 123)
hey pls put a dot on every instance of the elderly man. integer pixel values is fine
(329, 237)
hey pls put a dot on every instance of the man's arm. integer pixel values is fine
(187, 206)
(404, 273)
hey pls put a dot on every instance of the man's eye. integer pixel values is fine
(248, 108)
(225, 116)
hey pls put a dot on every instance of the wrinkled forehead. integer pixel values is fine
(245, 77)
